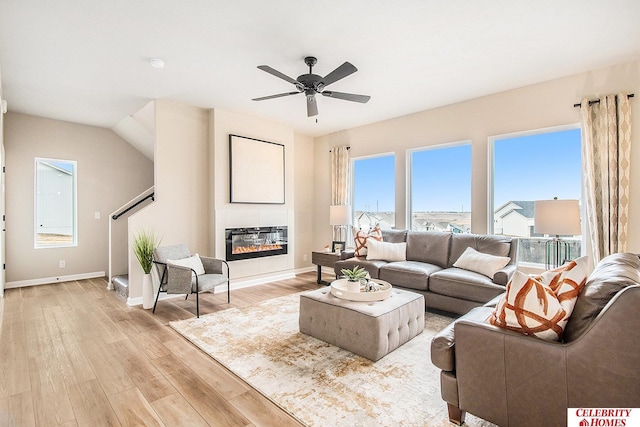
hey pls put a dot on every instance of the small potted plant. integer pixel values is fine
(355, 277)
(144, 242)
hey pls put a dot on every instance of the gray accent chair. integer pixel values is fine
(176, 279)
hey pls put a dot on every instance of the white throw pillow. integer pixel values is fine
(194, 262)
(481, 263)
(386, 251)
(541, 305)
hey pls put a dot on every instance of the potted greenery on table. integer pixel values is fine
(144, 242)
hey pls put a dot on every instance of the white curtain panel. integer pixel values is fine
(606, 154)
(340, 176)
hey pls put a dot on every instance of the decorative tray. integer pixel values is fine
(339, 290)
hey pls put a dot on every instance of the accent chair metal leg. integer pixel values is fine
(156, 303)
(197, 305)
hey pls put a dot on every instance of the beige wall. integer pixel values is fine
(192, 190)
(538, 106)
(110, 172)
(181, 210)
(304, 212)
(227, 215)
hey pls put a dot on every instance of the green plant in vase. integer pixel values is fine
(355, 274)
(144, 242)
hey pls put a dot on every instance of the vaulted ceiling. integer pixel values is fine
(88, 61)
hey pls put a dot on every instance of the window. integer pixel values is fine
(55, 203)
(374, 192)
(530, 166)
(441, 188)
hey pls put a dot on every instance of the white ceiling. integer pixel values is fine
(87, 61)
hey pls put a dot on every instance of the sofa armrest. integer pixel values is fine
(347, 253)
(503, 276)
(502, 374)
(443, 343)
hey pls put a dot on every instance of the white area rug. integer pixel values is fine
(320, 384)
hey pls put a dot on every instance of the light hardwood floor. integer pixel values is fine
(74, 354)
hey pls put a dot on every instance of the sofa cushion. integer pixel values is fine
(482, 263)
(443, 344)
(394, 236)
(492, 245)
(386, 251)
(373, 267)
(360, 239)
(541, 305)
(431, 247)
(459, 283)
(612, 274)
(408, 274)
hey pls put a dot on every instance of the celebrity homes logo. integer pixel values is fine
(603, 417)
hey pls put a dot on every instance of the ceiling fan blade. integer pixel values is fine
(275, 96)
(312, 106)
(347, 96)
(339, 73)
(278, 74)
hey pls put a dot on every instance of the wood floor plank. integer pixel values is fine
(174, 410)
(113, 377)
(17, 410)
(74, 354)
(261, 411)
(149, 380)
(91, 406)
(227, 384)
(14, 365)
(210, 404)
(132, 409)
(51, 404)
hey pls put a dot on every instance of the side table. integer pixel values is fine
(323, 259)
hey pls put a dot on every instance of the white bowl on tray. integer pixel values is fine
(339, 289)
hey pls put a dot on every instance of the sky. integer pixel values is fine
(533, 167)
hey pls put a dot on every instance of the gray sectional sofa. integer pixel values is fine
(512, 379)
(429, 269)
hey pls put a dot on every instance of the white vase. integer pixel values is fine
(147, 291)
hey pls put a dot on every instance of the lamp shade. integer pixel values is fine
(557, 217)
(340, 215)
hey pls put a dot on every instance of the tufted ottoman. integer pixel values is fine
(370, 329)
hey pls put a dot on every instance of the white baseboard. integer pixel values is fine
(49, 280)
(236, 284)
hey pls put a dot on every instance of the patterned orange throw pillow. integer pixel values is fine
(360, 239)
(541, 305)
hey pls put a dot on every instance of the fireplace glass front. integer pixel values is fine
(255, 242)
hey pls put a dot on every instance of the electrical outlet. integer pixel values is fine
(96, 215)
(304, 257)
(62, 264)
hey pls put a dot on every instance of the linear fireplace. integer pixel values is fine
(255, 242)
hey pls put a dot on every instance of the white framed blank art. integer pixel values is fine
(256, 171)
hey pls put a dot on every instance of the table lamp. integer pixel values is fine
(556, 218)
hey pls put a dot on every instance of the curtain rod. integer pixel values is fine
(595, 101)
(348, 148)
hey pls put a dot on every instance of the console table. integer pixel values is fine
(323, 259)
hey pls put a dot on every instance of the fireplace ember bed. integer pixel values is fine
(255, 242)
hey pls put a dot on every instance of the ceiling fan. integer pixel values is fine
(310, 84)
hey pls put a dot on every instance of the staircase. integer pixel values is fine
(121, 285)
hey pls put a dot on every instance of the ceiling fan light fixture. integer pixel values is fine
(312, 84)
